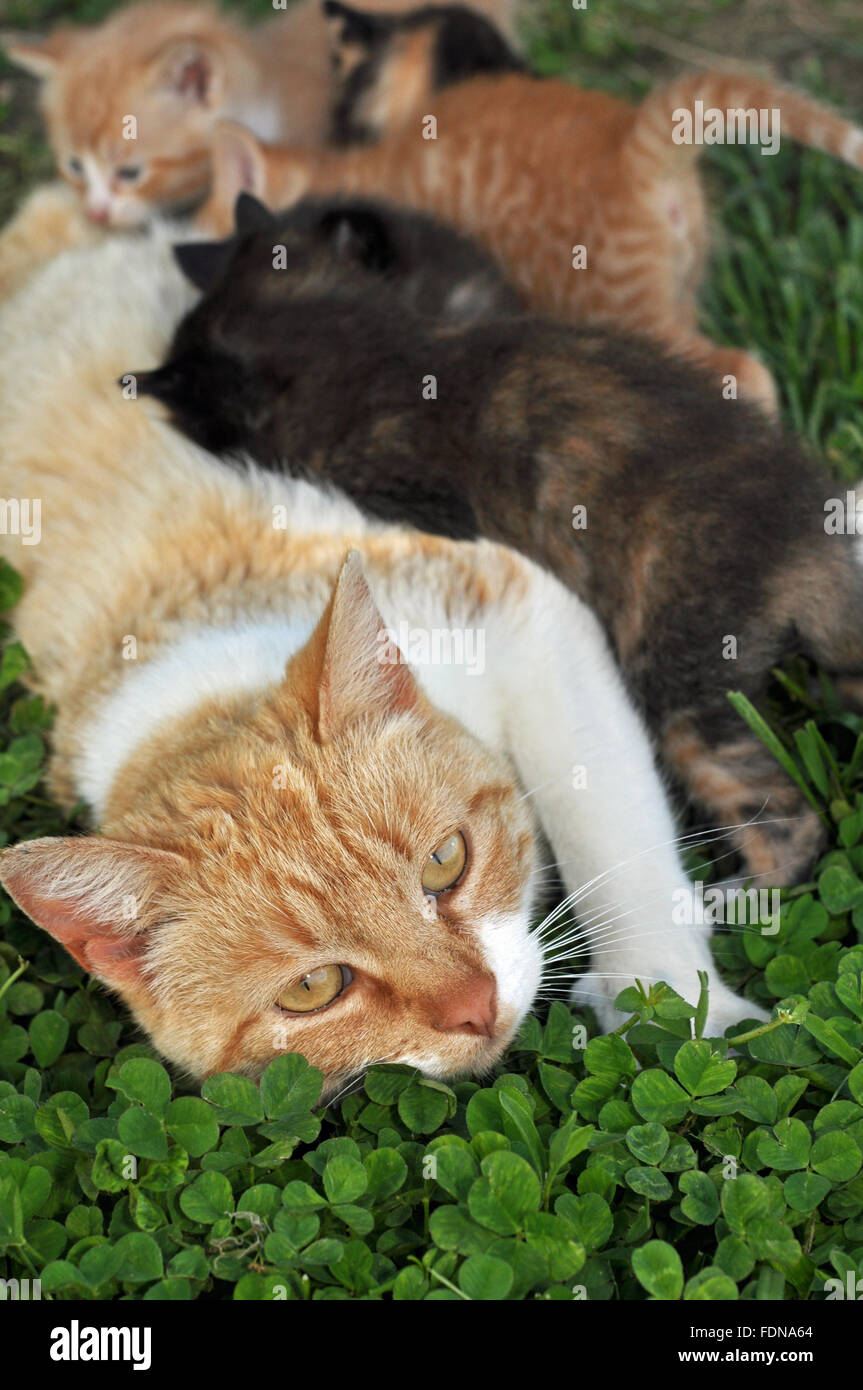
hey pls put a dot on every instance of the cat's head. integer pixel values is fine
(233, 363)
(337, 870)
(386, 66)
(129, 106)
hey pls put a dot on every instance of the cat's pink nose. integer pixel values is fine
(98, 215)
(472, 1008)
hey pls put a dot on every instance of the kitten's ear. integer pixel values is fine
(251, 215)
(352, 668)
(163, 383)
(97, 897)
(348, 25)
(239, 163)
(468, 43)
(192, 71)
(360, 235)
(42, 57)
(202, 262)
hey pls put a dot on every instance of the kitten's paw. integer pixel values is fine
(51, 220)
(52, 212)
(755, 384)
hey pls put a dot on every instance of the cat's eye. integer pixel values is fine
(75, 165)
(129, 172)
(445, 865)
(315, 990)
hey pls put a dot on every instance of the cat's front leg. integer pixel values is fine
(587, 766)
(50, 220)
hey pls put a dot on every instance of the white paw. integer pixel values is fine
(591, 991)
(727, 1009)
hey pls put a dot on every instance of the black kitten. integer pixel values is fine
(691, 525)
(453, 43)
(429, 270)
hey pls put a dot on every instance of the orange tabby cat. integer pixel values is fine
(538, 168)
(130, 103)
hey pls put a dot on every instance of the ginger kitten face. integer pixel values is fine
(129, 106)
(341, 872)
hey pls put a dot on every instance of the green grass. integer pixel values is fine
(571, 1174)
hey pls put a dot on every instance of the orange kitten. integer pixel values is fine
(587, 202)
(130, 104)
(305, 844)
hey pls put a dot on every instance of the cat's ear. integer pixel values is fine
(203, 262)
(352, 26)
(251, 215)
(239, 163)
(360, 235)
(163, 383)
(191, 71)
(468, 43)
(351, 669)
(42, 57)
(97, 897)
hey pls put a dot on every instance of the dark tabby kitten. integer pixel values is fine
(690, 524)
(439, 45)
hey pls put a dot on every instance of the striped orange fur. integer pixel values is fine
(536, 169)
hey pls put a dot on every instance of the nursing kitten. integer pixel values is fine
(385, 65)
(167, 72)
(694, 529)
(536, 169)
(305, 844)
